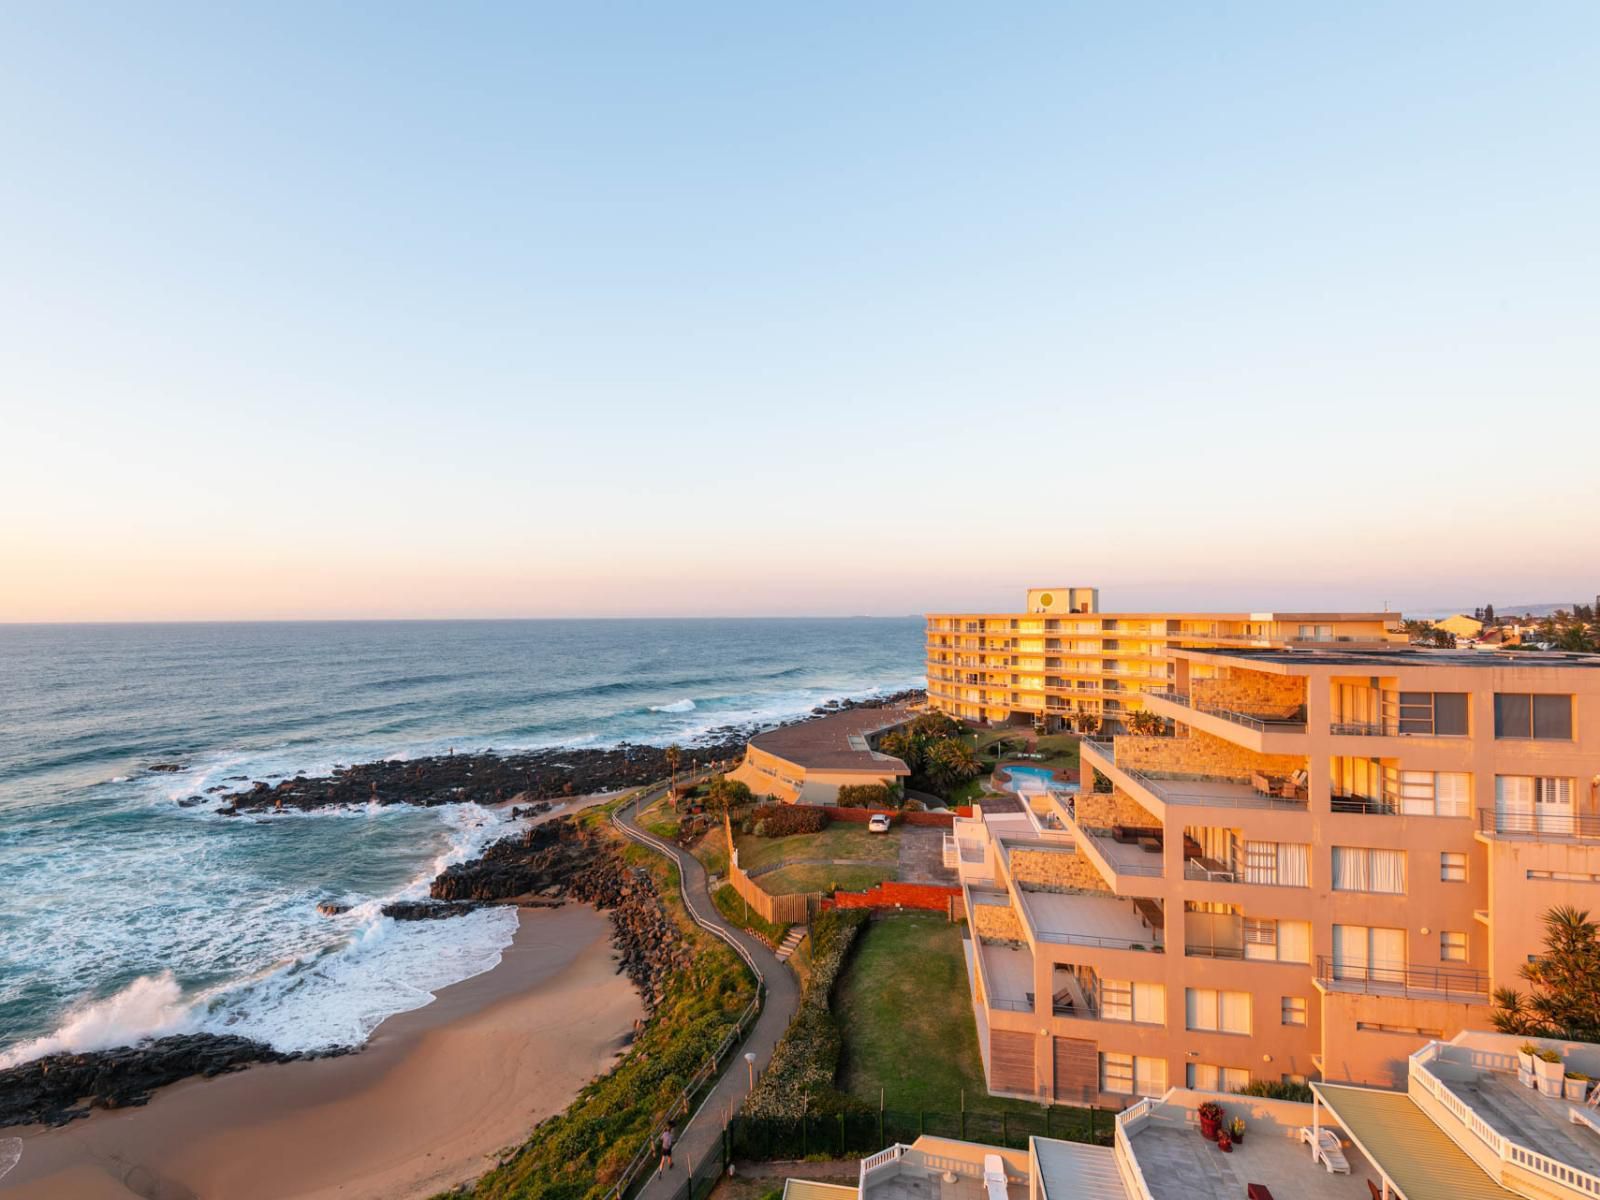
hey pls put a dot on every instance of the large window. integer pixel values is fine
(1211, 1011)
(1528, 715)
(1204, 1077)
(1442, 714)
(1127, 1000)
(1435, 793)
(1363, 869)
(1130, 1075)
(1369, 953)
(1286, 864)
(1533, 804)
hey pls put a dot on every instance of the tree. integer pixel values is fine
(723, 794)
(1562, 1000)
(674, 755)
(1087, 723)
(950, 763)
(1146, 723)
(1575, 638)
(904, 745)
(1488, 614)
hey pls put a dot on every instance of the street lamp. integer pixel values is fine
(750, 1061)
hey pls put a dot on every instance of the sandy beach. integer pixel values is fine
(429, 1103)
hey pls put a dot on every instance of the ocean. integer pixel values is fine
(124, 915)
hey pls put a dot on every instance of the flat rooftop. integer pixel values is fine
(1530, 1119)
(1178, 1164)
(1405, 656)
(838, 741)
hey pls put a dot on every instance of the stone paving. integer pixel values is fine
(922, 856)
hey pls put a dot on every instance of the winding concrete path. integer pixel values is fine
(702, 1136)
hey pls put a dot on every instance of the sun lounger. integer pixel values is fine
(1325, 1149)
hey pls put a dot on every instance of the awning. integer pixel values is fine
(1402, 1142)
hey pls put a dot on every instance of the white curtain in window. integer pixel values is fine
(1149, 1076)
(1116, 1000)
(1453, 794)
(1349, 869)
(1416, 793)
(1388, 954)
(1261, 939)
(1150, 1003)
(1294, 941)
(1294, 864)
(1234, 1011)
(1261, 862)
(1513, 796)
(1388, 871)
(1200, 1008)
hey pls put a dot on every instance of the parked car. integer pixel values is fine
(879, 823)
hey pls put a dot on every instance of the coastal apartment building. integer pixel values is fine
(1463, 1125)
(1062, 657)
(1329, 858)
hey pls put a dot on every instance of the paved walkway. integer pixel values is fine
(703, 1135)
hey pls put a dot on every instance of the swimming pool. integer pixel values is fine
(1026, 781)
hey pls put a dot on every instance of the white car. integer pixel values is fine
(879, 823)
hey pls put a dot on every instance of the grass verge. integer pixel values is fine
(845, 842)
(827, 877)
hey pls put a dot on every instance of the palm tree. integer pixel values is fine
(674, 757)
(950, 762)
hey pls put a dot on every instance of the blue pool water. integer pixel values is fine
(1025, 780)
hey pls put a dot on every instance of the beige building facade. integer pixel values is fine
(1062, 659)
(1328, 858)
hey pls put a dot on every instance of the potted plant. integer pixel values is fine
(1210, 1114)
(1577, 1086)
(1236, 1129)
(1225, 1142)
(1525, 1056)
(1547, 1065)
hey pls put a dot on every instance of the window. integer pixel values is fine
(1452, 866)
(1441, 714)
(1270, 940)
(1124, 1000)
(1211, 1011)
(1369, 953)
(1128, 1075)
(1407, 1030)
(1452, 946)
(1564, 876)
(1533, 804)
(1362, 869)
(1435, 793)
(1294, 1010)
(1204, 1077)
(1285, 864)
(1525, 715)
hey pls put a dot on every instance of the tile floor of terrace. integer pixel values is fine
(1079, 919)
(1533, 1120)
(1178, 1164)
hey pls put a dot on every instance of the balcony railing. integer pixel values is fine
(1461, 984)
(1214, 951)
(1101, 941)
(1536, 826)
(1248, 720)
(1372, 806)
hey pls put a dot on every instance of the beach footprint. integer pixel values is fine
(10, 1154)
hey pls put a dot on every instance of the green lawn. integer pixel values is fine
(906, 1013)
(839, 841)
(850, 878)
(660, 819)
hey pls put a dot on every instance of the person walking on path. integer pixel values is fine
(666, 1152)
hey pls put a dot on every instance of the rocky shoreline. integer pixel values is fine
(487, 777)
(60, 1088)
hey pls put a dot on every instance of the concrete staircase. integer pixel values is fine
(791, 942)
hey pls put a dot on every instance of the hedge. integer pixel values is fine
(805, 1063)
(867, 795)
(782, 820)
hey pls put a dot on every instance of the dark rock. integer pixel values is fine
(62, 1087)
(329, 909)
(191, 801)
(166, 768)
(428, 910)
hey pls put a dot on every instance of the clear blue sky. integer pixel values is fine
(502, 310)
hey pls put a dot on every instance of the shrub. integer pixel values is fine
(1273, 1089)
(782, 820)
(805, 1063)
(723, 793)
(866, 795)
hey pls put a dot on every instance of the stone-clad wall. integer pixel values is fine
(1201, 754)
(1101, 810)
(996, 923)
(1056, 870)
(1251, 692)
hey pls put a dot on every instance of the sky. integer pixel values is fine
(411, 310)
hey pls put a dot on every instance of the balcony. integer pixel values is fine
(1539, 827)
(1463, 985)
(1372, 806)
(1156, 790)
(1073, 919)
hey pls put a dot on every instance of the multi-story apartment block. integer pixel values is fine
(1063, 659)
(1327, 858)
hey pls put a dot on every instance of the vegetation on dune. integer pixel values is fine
(800, 1078)
(580, 1153)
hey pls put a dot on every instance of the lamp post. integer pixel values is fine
(750, 1061)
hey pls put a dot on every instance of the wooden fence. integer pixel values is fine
(794, 909)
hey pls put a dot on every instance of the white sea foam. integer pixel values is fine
(677, 706)
(149, 1007)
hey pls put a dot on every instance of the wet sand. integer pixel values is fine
(431, 1101)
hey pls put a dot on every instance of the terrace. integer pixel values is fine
(1085, 920)
(1174, 1162)
(1463, 985)
(941, 1169)
(1155, 791)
